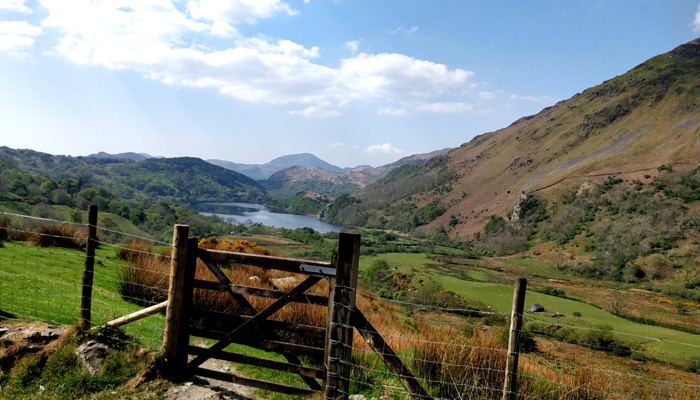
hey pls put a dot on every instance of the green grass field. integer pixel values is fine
(46, 284)
(499, 296)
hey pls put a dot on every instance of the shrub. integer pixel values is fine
(60, 235)
(4, 224)
(552, 291)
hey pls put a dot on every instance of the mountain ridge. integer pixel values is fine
(264, 171)
(290, 181)
(183, 179)
(636, 121)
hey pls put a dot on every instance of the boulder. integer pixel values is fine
(91, 355)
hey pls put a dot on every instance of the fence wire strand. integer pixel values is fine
(45, 283)
(452, 353)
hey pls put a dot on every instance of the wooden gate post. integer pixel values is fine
(175, 351)
(516, 323)
(341, 302)
(89, 269)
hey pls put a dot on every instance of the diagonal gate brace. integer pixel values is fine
(249, 310)
(252, 323)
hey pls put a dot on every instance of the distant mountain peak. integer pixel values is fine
(264, 171)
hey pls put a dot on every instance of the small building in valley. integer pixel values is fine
(537, 307)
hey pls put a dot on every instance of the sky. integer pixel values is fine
(355, 82)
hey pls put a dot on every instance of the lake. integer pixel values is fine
(256, 213)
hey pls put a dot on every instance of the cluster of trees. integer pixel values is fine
(500, 237)
(303, 204)
(619, 222)
(390, 203)
(630, 230)
(184, 180)
(68, 199)
(322, 244)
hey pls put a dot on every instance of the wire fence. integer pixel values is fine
(41, 269)
(454, 353)
(460, 354)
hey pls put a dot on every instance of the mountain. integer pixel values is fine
(184, 179)
(188, 179)
(626, 127)
(288, 182)
(129, 155)
(264, 171)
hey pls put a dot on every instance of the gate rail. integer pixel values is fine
(254, 328)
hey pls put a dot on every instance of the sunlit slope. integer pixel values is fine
(626, 126)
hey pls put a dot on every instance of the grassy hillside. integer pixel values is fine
(627, 126)
(67, 199)
(185, 180)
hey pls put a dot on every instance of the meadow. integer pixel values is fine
(455, 354)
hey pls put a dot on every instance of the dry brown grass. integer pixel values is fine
(456, 360)
(60, 235)
(146, 281)
(452, 358)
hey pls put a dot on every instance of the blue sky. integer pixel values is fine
(353, 82)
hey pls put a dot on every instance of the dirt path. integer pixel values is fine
(210, 389)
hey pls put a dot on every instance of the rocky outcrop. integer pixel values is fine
(517, 207)
(92, 355)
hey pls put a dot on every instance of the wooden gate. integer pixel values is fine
(254, 327)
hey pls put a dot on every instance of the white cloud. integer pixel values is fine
(15, 5)
(696, 23)
(385, 148)
(399, 76)
(164, 43)
(16, 37)
(353, 45)
(316, 112)
(445, 107)
(238, 11)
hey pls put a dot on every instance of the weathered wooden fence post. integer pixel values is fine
(341, 302)
(89, 269)
(516, 323)
(173, 349)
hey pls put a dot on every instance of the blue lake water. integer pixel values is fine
(256, 213)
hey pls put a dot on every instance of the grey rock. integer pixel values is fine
(51, 334)
(91, 355)
(3, 330)
(517, 211)
(32, 335)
